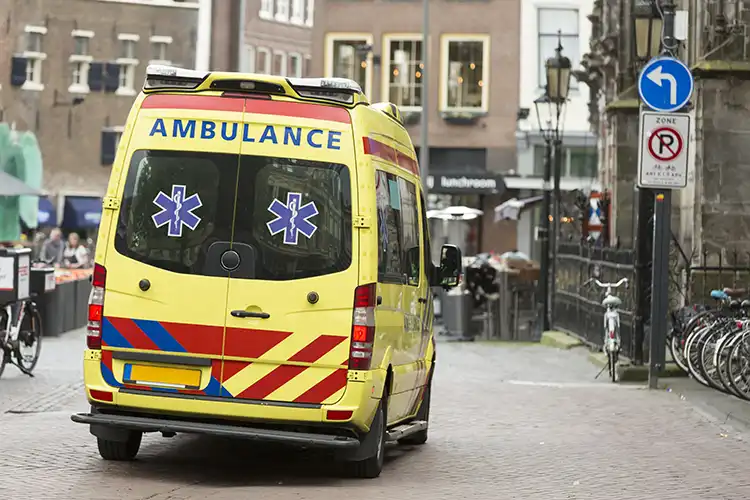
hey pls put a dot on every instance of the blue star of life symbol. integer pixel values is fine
(177, 211)
(292, 218)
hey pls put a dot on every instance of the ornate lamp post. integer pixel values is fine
(551, 104)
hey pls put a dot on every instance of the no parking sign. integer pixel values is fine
(663, 159)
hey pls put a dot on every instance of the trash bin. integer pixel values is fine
(456, 308)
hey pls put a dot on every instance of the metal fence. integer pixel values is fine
(692, 276)
(578, 309)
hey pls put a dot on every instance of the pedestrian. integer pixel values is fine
(53, 248)
(75, 255)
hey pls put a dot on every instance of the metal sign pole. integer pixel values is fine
(662, 230)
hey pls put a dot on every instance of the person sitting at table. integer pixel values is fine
(75, 255)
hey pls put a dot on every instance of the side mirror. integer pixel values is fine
(449, 271)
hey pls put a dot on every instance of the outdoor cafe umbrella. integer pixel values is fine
(12, 186)
(454, 213)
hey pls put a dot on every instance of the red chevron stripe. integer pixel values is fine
(197, 339)
(231, 368)
(317, 348)
(249, 343)
(265, 386)
(132, 333)
(107, 359)
(325, 388)
(284, 373)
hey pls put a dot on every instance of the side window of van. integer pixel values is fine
(388, 195)
(426, 236)
(410, 229)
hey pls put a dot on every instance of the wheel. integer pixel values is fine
(676, 348)
(423, 414)
(707, 355)
(372, 466)
(724, 354)
(692, 353)
(738, 368)
(612, 362)
(120, 451)
(29, 345)
(3, 353)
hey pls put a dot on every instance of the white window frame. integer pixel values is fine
(297, 12)
(266, 9)
(81, 63)
(445, 41)
(163, 41)
(249, 59)
(541, 58)
(365, 38)
(34, 60)
(283, 64)
(310, 14)
(269, 60)
(385, 84)
(297, 70)
(282, 11)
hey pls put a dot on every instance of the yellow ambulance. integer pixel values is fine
(263, 270)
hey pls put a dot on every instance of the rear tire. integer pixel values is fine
(120, 451)
(372, 466)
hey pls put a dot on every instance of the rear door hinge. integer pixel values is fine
(361, 221)
(111, 203)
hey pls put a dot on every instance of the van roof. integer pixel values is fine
(341, 91)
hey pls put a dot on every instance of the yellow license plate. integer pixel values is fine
(178, 378)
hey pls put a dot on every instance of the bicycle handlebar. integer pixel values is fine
(608, 285)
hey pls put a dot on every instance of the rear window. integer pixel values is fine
(287, 218)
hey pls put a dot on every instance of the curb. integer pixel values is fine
(559, 340)
(635, 373)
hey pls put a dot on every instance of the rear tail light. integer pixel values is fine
(612, 334)
(363, 327)
(96, 308)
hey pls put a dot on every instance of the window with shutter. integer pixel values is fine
(96, 76)
(111, 77)
(110, 141)
(17, 71)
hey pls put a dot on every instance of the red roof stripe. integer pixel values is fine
(259, 106)
(384, 151)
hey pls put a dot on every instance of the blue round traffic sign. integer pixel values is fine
(665, 84)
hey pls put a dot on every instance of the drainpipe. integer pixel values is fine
(203, 42)
(241, 63)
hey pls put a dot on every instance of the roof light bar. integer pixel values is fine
(163, 77)
(343, 84)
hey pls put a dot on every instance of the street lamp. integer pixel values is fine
(557, 71)
(647, 28)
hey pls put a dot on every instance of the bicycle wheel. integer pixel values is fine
(3, 352)
(707, 352)
(612, 361)
(692, 353)
(739, 368)
(29, 344)
(723, 354)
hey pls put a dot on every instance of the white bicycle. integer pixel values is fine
(611, 345)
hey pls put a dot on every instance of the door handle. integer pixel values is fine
(239, 313)
(422, 300)
(378, 300)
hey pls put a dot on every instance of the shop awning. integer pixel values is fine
(47, 215)
(12, 186)
(82, 212)
(510, 210)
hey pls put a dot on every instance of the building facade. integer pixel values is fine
(473, 100)
(544, 25)
(262, 36)
(73, 68)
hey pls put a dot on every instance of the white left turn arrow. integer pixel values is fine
(658, 77)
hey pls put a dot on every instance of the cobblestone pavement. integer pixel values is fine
(508, 422)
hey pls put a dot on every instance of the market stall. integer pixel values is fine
(66, 308)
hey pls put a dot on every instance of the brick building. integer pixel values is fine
(474, 91)
(275, 38)
(72, 69)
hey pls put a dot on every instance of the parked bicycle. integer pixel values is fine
(612, 343)
(713, 345)
(20, 336)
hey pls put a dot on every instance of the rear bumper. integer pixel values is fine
(148, 424)
(361, 398)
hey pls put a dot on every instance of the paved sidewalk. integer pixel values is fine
(508, 422)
